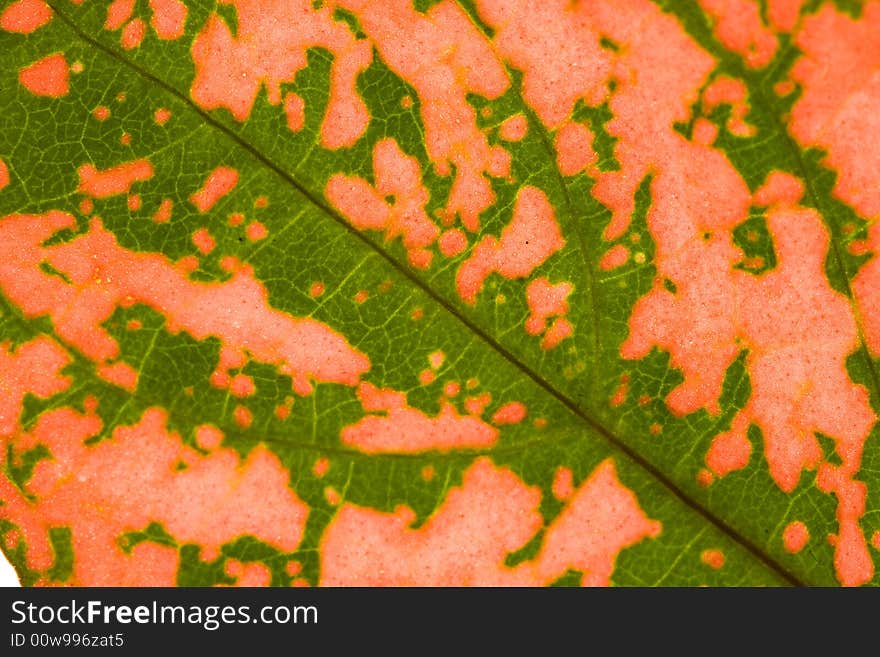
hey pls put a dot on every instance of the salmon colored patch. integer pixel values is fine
(427, 377)
(514, 128)
(25, 16)
(120, 374)
(417, 314)
(614, 257)
(730, 450)
(510, 413)
(428, 472)
(218, 184)
(574, 149)
(133, 33)
(619, 395)
(859, 247)
(436, 359)
(542, 39)
(187, 264)
(112, 181)
(248, 574)
(255, 231)
(361, 296)
(705, 132)
(316, 290)
(125, 139)
(46, 77)
(836, 112)
(477, 405)
(134, 325)
(398, 176)
(875, 540)
(452, 242)
(784, 14)
(270, 49)
(499, 162)
(795, 536)
(403, 429)
(729, 91)
(162, 115)
(254, 574)
(420, 258)
(563, 484)
(705, 477)
(169, 18)
(208, 437)
(101, 113)
(118, 12)
(800, 384)
(241, 385)
(295, 111)
(32, 368)
(99, 269)
(261, 202)
(233, 567)
(151, 564)
(203, 241)
(236, 219)
(4, 174)
(655, 429)
(130, 480)
(321, 467)
(163, 213)
(546, 301)
(712, 558)
(562, 36)
(465, 542)
(220, 379)
(738, 26)
(90, 404)
(526, 242)
(243, 416)
(444, 57)
(133, 202)
(784, 88)
(451, 389)
(12, 539)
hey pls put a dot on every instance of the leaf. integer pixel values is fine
(353, 293)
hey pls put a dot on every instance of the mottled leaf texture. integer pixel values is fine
(468, 292)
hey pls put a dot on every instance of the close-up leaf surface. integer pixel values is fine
(456, 293)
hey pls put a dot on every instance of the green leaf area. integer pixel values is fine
(441, 293)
